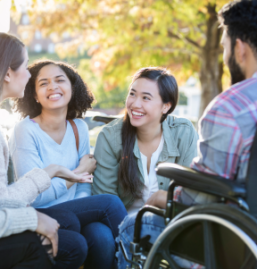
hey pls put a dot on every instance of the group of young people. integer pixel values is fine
(67, 207)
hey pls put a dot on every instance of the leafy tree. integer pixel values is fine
(114, 98)
(124, 35)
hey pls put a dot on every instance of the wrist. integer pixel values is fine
(57, 170)
(53, 170)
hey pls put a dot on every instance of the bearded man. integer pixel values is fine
(228, 125)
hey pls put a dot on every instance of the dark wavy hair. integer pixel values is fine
(239, 18)
(128, 170)
(81, 98)
(11, 55)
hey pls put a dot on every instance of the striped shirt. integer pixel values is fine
(226, 133)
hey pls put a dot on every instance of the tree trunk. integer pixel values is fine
(210, 73)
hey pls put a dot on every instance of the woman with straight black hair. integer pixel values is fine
(128, 150)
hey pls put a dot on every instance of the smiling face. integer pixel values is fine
(144, 104)
(53, 88)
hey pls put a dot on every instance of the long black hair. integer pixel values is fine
(128, 170)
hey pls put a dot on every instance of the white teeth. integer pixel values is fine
(137, 114)
(54, 96)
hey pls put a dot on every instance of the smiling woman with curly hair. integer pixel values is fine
(51, 133)
(81, 98)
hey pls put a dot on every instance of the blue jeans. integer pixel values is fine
(152, 225)
(94, 220)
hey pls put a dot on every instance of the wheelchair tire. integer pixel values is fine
(239, 223)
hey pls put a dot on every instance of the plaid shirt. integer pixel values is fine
(226, 133)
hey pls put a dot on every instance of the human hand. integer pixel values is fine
(48, 227)
(158, 199)
(73, 177)
(86, 164)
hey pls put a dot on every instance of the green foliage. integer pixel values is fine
(105, 99)
(123, 36)
(73, 60)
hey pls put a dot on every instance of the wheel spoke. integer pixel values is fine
(156, 260)
(249, 262)
(167, 256)
(209, 254)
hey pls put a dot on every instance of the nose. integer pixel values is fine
(137, 102)
(52, 85)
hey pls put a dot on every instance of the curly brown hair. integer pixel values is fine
(81, 98)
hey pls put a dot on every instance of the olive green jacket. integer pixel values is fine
(180, 138)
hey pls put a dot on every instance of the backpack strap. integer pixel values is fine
(76, 133)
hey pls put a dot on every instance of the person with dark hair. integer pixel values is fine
(26, 234)
(128, 150)
(228, 125)
(54, 96)
(51, 133)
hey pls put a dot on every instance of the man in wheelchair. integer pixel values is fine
(219, 230)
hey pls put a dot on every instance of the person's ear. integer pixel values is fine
(36, 99)
(240, 51)
(7, 77)
(166, 107)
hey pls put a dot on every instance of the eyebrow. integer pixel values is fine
(147, 93)
(42, 79)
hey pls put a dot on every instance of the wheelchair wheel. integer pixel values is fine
(213, 240)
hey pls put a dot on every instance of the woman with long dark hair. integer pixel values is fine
(128, 150)
(22, 228)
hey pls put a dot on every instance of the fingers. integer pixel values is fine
(86, 181)
(87, 178)
(54, 241)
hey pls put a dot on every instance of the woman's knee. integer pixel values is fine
(72, 249)
(99, 236)
(101, 246)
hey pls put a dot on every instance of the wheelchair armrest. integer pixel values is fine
(192, 179)
(105, 119)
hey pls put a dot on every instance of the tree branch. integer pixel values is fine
(187, 39)
(171, 50)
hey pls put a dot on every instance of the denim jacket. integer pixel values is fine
(180, 139)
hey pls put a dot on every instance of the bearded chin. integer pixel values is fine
(235, 71)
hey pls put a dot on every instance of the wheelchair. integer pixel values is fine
(220, 235)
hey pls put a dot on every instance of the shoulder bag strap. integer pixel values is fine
(76, 133)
